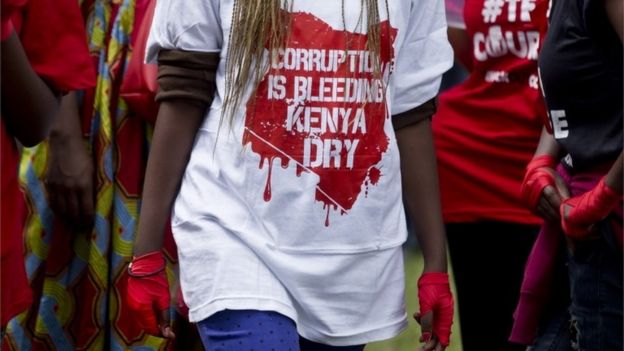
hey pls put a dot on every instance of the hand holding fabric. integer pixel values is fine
(580, 213)
(542, 190)
(148, 293)
(69, 182)
(70, 178)
(436, 310)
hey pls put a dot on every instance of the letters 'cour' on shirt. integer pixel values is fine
(487, 128)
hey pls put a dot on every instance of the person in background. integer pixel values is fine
(83, 188)
(485, 132)
(34, 76)
(575, 182)
(289, 220)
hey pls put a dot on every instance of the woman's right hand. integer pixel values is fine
(543, 189)
(69, 181)
(552, 197)
(148, 294)
(70, 171)
(436, 310)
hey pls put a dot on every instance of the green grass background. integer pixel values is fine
(408, 339)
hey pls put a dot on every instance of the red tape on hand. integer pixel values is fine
(537, 177)
(148, 290)
(434, 295)
(587, 209)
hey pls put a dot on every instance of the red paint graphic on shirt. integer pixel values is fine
(320, 107)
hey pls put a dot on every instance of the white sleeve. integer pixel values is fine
(190, 25)
(455, 13)
(423, 57)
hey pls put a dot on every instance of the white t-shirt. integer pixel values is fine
(296, 206)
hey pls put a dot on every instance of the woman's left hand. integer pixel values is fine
(70, 170)
(579, 214)
(436, 310)
(69, 182)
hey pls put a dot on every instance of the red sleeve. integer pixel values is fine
(140, 83)
(55, 41)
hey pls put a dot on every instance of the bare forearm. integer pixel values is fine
(615, 13)
(67, 123)
(421, 191)
(614, 10)
(28, 103)
(175, 130)
(614, 177)
(70, 169)
(460, 41)
(548, 145)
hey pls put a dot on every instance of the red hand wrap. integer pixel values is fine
(536, 178)
(587, 209)
(434, 295)
(148, 290)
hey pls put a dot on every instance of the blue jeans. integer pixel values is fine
(593, 320)
(596, 293)
(251, 330)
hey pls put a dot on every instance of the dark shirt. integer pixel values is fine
(581, 75)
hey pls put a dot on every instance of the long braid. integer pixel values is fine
(373, 42)
(254, 24)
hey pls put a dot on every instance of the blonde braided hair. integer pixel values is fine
(259, 22)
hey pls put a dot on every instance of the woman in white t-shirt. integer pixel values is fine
(275, 151)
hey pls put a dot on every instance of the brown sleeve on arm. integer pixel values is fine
(187, 75)
(415, 115)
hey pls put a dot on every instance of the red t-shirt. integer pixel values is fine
(487, 128)
(54, 39)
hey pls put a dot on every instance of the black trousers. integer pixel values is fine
(488, 261)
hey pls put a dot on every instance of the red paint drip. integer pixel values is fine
(374, 174)
(267, 187)
(327, 215)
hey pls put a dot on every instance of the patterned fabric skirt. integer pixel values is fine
(78, 278)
